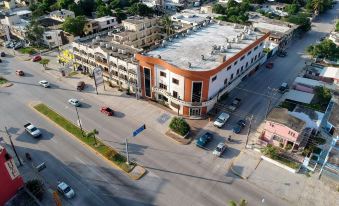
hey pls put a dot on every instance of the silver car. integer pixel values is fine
(220, 149)
(74, 102)
(66, 190)
(44, 83)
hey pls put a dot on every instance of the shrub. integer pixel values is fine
(36, 187)
(179, 126)
(109, 153)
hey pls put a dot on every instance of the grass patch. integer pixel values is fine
(3, 80)
(100, 147)
(28, 50)
(72, 73)
(273, 153)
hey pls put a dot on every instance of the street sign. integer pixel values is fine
(140, 129)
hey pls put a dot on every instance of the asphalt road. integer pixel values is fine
(178, 175)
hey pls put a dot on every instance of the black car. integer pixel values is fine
(2, 54)
(239, 126)
(204, 139)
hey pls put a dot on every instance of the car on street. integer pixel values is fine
(19, 72)
(108, 111)
(32, 130)
(283, 88)
(74, 102)
(221, 120)
(80, 86)
(239, 126)
(66, 190)
(204, 139)
(2, 54)
(36, 58)
(221, 147)
(269, 65)
(44, 83)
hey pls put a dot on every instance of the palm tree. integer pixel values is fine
(318, 6)
(92, 134)
(168, 23)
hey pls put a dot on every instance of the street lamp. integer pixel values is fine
(271, 93)
(79, 122)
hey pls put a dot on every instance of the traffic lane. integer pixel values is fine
(60, 150)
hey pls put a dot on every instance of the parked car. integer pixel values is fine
(283, 88)
(36, 58)
(221, 120)
(17, 45)
(234, 105)
(0, 60)
(108, 111)
(19, 72)
(65, 190)
(239, 126)
(2, 54)
(32, 130)
(80, 86)
(269, 65)
(204, 139)
(74, 102)
(220, 149)
(44, 83)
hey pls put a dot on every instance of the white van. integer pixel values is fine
(221, 120)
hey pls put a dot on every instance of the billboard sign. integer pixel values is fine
(97, 72)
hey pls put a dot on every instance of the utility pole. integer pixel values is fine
(127, 155)
(249, 130)
(79, 122)
(13, 147)
(271, 93)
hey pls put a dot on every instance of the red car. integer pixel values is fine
(269, 65)
(106, 110)
(19, 72)
(36, 58)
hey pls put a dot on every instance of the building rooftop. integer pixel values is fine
(212, 40)
(330, 72)
(104, 18)
(136, 20)
(191, 16)
(281, 115)
(334, 117)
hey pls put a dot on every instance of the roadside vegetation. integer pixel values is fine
(3, 80)
(36, 187)
(28, 50)
(326, 49)
(275, 154)
(233, 11)
(88, 138)
(179, 126)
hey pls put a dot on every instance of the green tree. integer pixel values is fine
(44, 63)
(292, 9)
(218, 8)
(103, 10)
(120, 15)
(323, 95)
(326, 49)
(302, 20)
(36, 187)
(64, 4)
(318, 6)
(88, 6)
(167, 22)
(337, 26)
(270, 151)
(75, 25)
(140, 9)
(34, 33)
(92, 135)
(76, 9)
(179, 126)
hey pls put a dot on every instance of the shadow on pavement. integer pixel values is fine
(25, 137)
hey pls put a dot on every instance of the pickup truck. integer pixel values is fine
(32, 130)
(234, 105)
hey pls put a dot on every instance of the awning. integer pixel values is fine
(299, 96)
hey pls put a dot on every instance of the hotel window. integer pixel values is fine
(237, 71)
(225, 81)
(243, 57)
(249, 53)
(175, 81)
(235, 63)
(228, 68)
(255, 58)
(255, 48)
(175, 94)
(163, 86)
(246, 64)
(231, 76)
(252, 60)
(214, 78)
(242, 67)
(162, 74)
(261, 43)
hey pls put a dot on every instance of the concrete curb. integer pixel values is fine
(235, 172)
(136, 177)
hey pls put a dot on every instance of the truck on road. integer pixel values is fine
(32, 130)
(234, 105)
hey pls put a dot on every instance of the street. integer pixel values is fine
(177, 174)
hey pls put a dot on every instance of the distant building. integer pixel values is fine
(190, 17)
(100, 24)
(285, 130)
(61, 15)
(10, 178)
(334, 36)
(52, 38)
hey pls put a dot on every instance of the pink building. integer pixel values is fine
(284, 130)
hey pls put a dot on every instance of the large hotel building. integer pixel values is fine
(191, 70)
(187, 71)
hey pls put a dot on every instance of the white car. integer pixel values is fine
(44, 83)
(66, 190)
(74, 102)
(219, 149)
(221, 120)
